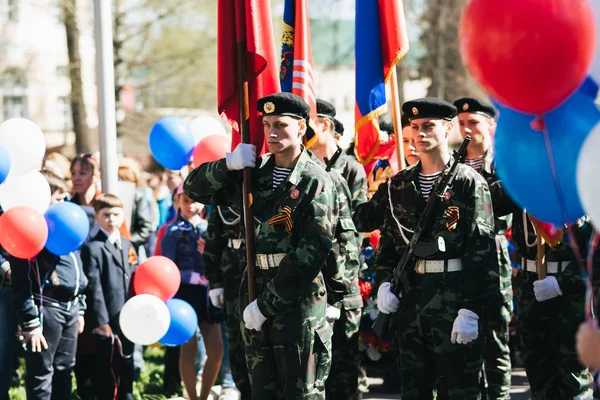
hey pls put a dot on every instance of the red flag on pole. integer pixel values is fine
(262, 66)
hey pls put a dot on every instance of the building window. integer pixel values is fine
(65, 121)
(13, 10)
(14, 107)
(62, 71)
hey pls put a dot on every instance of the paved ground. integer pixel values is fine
(519, 391)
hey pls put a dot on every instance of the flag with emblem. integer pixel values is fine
(296, 72)
(248, 23)
(381, 41)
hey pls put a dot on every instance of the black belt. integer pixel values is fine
(61, 305)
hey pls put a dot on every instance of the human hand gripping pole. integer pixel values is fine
(400, 277)
(242, 157)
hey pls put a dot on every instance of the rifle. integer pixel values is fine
(400, 277)
(329, 162)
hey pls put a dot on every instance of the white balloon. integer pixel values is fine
(144, 319)
(31, 190)
(205, 126)
(588, 184)
(25, 143)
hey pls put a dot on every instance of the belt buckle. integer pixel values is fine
(263, 262)
(420, 268)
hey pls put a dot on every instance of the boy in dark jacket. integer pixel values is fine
(109, 261)
(50, 306)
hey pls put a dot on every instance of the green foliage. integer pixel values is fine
(148, 387)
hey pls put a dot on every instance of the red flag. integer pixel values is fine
(262, 65)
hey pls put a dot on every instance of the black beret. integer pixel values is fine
(469, 104)
(429, 107)
(325, 109)
(284, 103)
(404, 121)
(386, 126)
(338, 126)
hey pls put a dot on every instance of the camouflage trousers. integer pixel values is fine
(427, 358)
(496, 352)
(345, 366)
(547, 334)
(288, 365)
(290, 357)
(232, 322)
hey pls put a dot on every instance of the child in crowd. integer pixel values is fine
(110, 261)
(181, 240)
(50, 304)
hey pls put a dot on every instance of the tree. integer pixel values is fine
(441, 61)
(82, 138)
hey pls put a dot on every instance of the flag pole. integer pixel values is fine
(541, 257)
(244, 127)
(396, 118)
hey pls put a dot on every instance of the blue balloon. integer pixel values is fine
(68, 228)
(184, 322)
(171, 142)
(523, 165)
(4, 163)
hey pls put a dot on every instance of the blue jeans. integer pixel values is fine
(8, 343)
(226, 377)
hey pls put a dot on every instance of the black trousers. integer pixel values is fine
(48, 375)
(112, 370)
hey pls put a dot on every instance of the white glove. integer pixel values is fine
(332, 313)
(465, 328)
(387, 302)
(243, 156)
(546, 289)
(217, 297)
(253, 318)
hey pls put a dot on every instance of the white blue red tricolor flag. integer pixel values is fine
(381, 41)
(296, 72)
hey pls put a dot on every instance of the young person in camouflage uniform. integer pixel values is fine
(476, 119)
(224, 260)
(550, 311)
(288, 340)
(437, 318)
(345, 368)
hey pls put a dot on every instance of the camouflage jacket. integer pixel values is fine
(463, 226)
(525, 240)
(343, 263)
(501, 223)
(309, 195)
(222, 260)
(354, 174)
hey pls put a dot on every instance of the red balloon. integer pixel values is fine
(374, 239)
(158, 276)
(529, 54)
(211, 148)
(23, 232)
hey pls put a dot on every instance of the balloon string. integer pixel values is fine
(561, 200)
(589, 293)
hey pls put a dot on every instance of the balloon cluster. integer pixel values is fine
(174, 143)
(153, 315)
(540, 79)
(29, 223)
